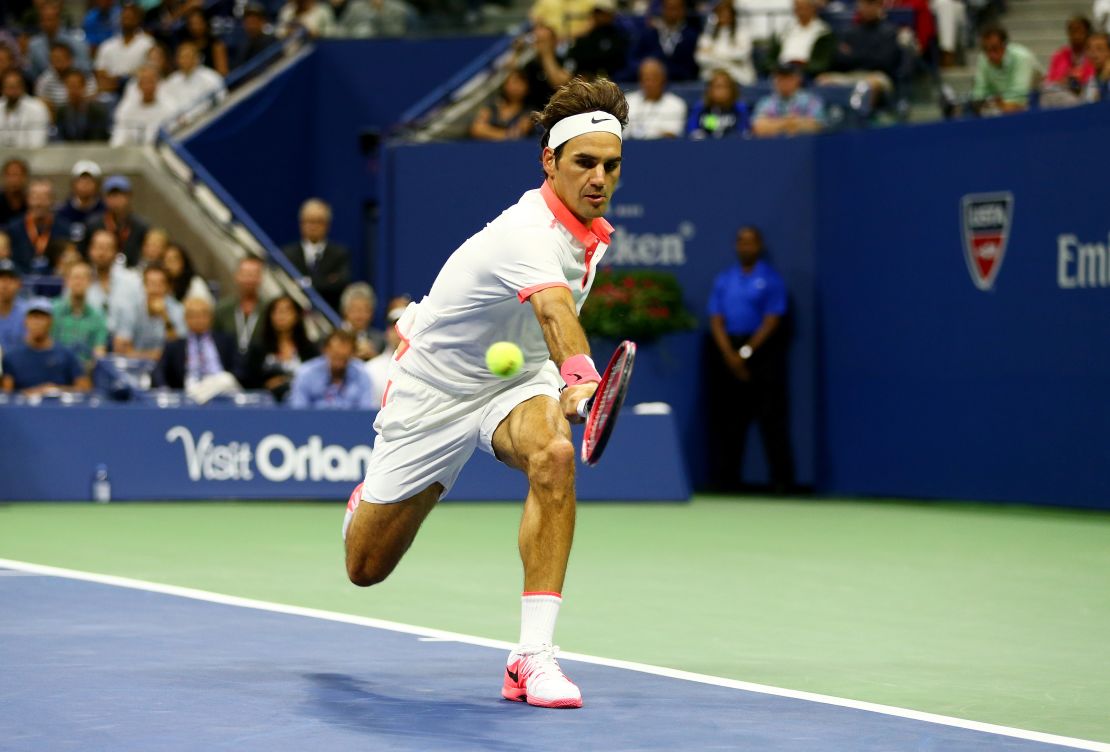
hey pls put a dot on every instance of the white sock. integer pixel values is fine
(538, 612)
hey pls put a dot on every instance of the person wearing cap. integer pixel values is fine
(118, 219)
(80, 118)
(12, 309)
(40, 234)
(789, 110)
(78, 325)
(40, 365)
(24, 120)
(523, 277)
(256, 39)
(377, 368)
(84, 200)
(654, 112)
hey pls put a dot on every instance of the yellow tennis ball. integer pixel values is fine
(504, 359)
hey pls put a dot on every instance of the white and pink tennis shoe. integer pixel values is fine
(534, 676)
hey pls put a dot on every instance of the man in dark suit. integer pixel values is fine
(80, 118)
(198, 356)
(326, 265)
(118, 219)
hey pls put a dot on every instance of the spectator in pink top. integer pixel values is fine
(1070, 69)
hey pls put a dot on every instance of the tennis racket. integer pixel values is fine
(600, 410)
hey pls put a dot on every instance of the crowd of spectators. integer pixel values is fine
(85, 281)
(122, 71)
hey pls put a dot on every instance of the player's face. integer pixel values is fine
(586, 174)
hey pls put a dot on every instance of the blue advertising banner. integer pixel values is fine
(51, 454)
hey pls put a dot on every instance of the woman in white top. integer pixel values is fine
(725, 45)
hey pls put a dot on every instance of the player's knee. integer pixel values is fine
(553, 465)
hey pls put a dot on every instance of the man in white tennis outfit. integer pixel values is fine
(522, 279)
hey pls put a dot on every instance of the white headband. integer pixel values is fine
(587, 122)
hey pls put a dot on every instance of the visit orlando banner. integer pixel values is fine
(52, 452)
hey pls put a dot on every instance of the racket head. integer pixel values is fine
(607, 401)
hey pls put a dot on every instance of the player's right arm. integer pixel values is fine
(555, 310)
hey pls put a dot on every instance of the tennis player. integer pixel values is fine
(522, 279)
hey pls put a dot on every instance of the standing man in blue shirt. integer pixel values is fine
(748, 366)
(336, 379)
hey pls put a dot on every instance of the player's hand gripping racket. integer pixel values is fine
(600, 410)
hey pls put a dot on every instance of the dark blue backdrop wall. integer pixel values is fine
(907, 379)
(299, 136)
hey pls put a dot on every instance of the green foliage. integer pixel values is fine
(637, 305)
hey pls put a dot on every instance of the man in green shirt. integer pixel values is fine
(78, 326)
(1005, 73)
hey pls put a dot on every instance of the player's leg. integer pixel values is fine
(535, 438)
(380, 534)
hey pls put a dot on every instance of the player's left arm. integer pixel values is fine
(555, 310)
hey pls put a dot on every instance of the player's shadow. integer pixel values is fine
(418, 719)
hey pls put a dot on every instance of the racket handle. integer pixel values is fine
(584, 407)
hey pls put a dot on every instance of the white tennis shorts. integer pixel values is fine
(425, 435)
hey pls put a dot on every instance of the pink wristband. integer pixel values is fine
(579, 369)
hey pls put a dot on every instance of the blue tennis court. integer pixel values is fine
(95, 666)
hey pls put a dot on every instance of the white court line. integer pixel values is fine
(441, 635)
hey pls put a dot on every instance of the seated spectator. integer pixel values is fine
(24, 120)
(33, 233)
(358, 304)
(13, 197)
(12, 309)
(80, 118)
(255, 37)
(721, 113)
(314, 16)
(1005, 74)
(128, 227)
(40, 365)
(78, 325)
(157, 58)
(101, 21)
(199, 353)
(115, 288)
(137, 120)
(325, 265)
(653, 112)
(211, 52)
(184, 282)
(377, 368)
(1070, 69)
(374, 18)
(603, 50)
(84, 200)
(193, 87)
(336, 379)
(505, 117)
(39, 48)
(567, 19)
(238, 314)
(121, 55)
(806, 40)
(790, 110)
(280, 348)
(544, 72)
(155, 243)
(869, 51)
(725, 45)
(51, 87)
(145, 329)
(67, 257)
(673, 40)
(1098, 52)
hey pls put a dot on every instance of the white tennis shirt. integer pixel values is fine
(481, 294)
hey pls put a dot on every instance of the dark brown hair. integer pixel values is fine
(577, 96)
(341, 335)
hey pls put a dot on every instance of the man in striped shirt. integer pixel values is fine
(50, 86)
